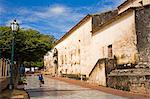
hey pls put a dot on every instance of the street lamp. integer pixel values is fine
(14, 27)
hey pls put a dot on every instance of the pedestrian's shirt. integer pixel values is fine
(40, 77)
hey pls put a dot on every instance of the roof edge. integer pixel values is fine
(73, 28)
(124, 3)
(116, 17)
(112, 20)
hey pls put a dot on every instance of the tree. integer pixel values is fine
(30, 45)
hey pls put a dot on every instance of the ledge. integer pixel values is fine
(130, 72)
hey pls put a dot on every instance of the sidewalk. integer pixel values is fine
(103, 89)
(14, 94)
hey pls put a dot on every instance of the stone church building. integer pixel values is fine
(111, 48)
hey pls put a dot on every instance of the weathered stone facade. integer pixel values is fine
(132, 3)
(143, 35)
(72, 51)
(99, 73)
(107, 47)
(51, 62)
(136, 79)
(48, 63)
(99, 19)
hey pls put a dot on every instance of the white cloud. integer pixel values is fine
(54, 11)
(107, 5)
(24, 11)
(57, 18)
(58, 9)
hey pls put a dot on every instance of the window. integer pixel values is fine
(65, 59)
(62, 61)
(78, 51)
(71, 56)
(110, 54)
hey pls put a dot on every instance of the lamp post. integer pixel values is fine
(14, 28)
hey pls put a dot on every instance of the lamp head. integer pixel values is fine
(14, 26)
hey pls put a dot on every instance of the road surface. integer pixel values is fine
(54, 89)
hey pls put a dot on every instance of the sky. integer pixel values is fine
(51, 17)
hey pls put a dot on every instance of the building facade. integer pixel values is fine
(48, 62)
(51, 62)
(73, 49)
(100, 44)
(132, 3)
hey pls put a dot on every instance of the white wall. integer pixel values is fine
(49, 62)
(121, 34)
(80, 39)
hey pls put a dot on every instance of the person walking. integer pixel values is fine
(41, 79)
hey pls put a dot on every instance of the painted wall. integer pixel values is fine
(79, 52)
(49, 63)
(98, 74)
(73, 52)
(134, 3)
(121, 35)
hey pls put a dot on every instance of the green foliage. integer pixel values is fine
(5, 37)
(30, 45)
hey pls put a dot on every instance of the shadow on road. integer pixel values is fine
(40, 92)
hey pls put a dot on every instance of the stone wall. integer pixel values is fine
(110, 64)
(118, 82)
(99, 19)
(140, 84)
(143, 35)
(101, 69)
(134, 80)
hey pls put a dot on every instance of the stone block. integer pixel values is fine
(136, 81)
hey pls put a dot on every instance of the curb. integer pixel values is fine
(17, 93)
(23, 89)
(27, 97)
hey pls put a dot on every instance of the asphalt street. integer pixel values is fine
(55, 89)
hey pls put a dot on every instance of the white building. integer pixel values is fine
(109, 35)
